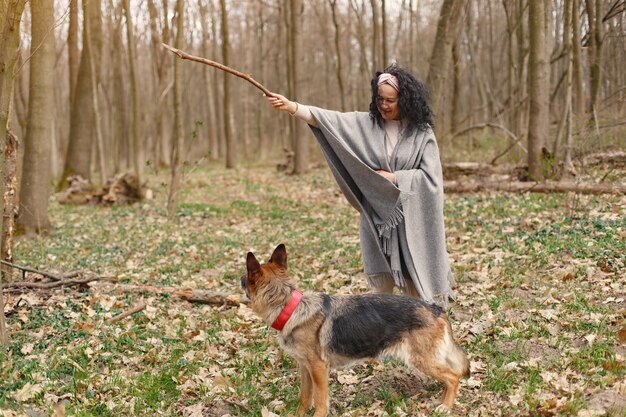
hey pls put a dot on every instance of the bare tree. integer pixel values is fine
(383, 19)
(178, 142)
(134, 94)
(441, 55)
(338, 69)
(231, 159)
(211, 113)
(34, 190)
(594, 19)
(578, 95)
(565, 125)
(301, 160)
(72, 48)
(376, 48)
(538, 90)
(80, 144)
(10, 18)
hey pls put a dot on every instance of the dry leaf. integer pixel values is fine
(27, 392)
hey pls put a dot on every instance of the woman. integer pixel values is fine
(386, 163)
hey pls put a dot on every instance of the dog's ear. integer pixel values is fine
(253, 266)
(279, 257)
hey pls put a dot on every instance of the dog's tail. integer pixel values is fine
(456, 357)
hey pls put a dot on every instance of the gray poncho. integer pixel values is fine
(402, 228)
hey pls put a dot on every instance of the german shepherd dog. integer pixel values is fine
(333, 331)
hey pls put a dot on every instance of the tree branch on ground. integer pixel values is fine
(458, 187)
(13, 286)
(188, 294)
(50, 275)
(139, 307)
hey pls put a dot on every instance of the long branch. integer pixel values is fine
(53, 284)
(42, 273)
(247, 77)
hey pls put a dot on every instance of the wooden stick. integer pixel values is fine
(42, 273)
(136, 309)
(54, 284)
(188, 294)
(247, 77)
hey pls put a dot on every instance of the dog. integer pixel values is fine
(324, 332)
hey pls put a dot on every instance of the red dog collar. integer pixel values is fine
(284, 315)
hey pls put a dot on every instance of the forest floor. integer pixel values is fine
(541, 284)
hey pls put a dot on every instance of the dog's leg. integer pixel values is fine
(319, 376)
(451, 383)
(306, 391)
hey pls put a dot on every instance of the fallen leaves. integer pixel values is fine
(541, 290)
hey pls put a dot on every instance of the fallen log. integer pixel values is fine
(453, 170)
(192, 295)
(458, 187)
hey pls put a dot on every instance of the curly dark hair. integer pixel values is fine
(413, 100)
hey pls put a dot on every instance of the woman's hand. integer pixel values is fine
(388, 175)
(279, 102)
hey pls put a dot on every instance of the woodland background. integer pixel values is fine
(529, 96)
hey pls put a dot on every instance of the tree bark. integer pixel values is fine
(383, 24)
(376, 48)
(449, 18)
(579, 94)
(34, 190)
(231, 159)
(80, 144)
(72, 48)
(212, 129)
(10, 18)
(338, 67)
(594, 19)
(178, 142)
(538, 90)
(134, 94)
(93, 86)
(300, 145)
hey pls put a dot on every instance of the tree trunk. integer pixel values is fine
(119, 119)
(178, 142)
(566, 119)
(579, 94)
(93, 85)
(376, 52)
(34, 189)
(338, 69)
(538, 90)
(383, 18)
(301, 160)
(231, 160)
(134, 94)
(455, 118)
(72, 48)
(449, 18)
(80, 144)
(160, 150)
(594, 16)
(10, 18)
(212, 130)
